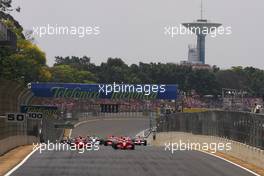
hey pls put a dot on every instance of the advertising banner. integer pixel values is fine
(105, 91)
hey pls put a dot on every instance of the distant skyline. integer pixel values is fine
(134, 30)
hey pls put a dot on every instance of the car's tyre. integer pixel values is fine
(133, 147)
(145, 143)
(114, 146)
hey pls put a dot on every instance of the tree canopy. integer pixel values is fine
(203, 81)
(27, 63)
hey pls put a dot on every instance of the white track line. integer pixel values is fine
(230, 162)
(219, 157)
(141, 133)
(21, 163)
(86, 121)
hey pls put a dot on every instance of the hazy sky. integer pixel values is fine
(134, 29)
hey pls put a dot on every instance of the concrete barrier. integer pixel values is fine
(88, 116)
(104, 116)
(238, 150)
(124, 115)
(12, 142)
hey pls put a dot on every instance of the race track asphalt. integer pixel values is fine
(143, 161)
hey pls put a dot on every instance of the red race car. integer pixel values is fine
(80, 142)
(123, 143)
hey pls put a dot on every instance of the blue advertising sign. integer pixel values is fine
(105, 91)
(46, 110)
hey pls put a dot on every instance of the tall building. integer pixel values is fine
(201, 28)
(193, 55)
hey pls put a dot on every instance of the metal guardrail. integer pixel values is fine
(243, 127)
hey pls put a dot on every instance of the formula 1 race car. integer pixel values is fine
(140, 141)
(79, 142)
(64, 141)
(123, 143)
(67, 140)
(95, 140)
(109, 141)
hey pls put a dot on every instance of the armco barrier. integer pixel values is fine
(247, 128)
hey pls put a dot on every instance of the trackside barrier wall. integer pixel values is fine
(247, 128)
(124, 115)
(12, 95)
(88, 115)
(239, 150)
(11, 142)
(245, 132)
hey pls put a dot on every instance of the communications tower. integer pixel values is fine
(201, 28)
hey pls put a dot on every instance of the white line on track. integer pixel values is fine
(250, 171)
(141, 133)
(22, 162)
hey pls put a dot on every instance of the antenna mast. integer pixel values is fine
(201, 9)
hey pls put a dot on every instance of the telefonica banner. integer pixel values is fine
(105, 91)
(46, 110)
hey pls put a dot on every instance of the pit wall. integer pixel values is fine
(124, 115)
(238, 150)
(89, 116)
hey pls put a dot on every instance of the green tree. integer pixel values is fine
(204, 82)
(114, 70)
(27, 63)
(68, 74)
